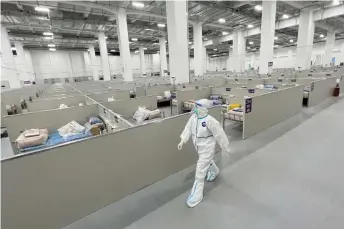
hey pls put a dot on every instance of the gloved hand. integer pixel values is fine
(180, 145)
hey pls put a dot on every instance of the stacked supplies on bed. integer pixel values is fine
(189, 104)
(217, 99)
(71, 128)
(143, 114)
(94, 126)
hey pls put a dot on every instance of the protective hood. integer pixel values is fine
(201, 107)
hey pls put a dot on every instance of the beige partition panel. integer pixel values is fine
(195, 94)
(140, 91)
(50, 104)
(272, 108)
(117, 95)
(51, 120)
(157, 90)
(127, 108)
(54, 188)
(321, 90)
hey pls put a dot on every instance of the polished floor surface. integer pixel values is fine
(289, 176)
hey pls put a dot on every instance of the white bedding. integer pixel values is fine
(305, 94)
(235, 115)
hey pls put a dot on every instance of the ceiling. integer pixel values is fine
(75, 24)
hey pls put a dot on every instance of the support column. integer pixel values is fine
(142, 62)
(331, 36)
(21, 65)
(178, 41)
(104, 56)
(93, 63)
(8, 68)
(237, 60)
(163, 59)
(198, 49)
(205, 60)
(123, 39)
(267, 36)
(305, 40)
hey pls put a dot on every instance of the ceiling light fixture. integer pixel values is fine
(112, 50)
(41, 9)
(321, 35)
(13, 48)
(161, 25)
(231, 46)
(248, 47)
(48, 38)
(249, 26)
(190, 43)
(51, 45)
(222, 20)
(225, 33)
(144, 48)
(251, 42)
(275, 46)
(205, 39)
(285, 16)
(105, 37)
(215, 49)
(291, 41)
(258, 7)
(48, 33)
(137, 51)
(138, 4)
(134, 39)
(52, 49)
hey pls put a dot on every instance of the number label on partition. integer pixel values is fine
(248, 105)
(293, 80)
(329, 74)
(228, 89)
(279, 80)
(310, 75)
(312, 87)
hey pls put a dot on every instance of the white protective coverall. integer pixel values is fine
(205, 131)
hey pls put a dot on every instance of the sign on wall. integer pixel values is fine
(248, 105)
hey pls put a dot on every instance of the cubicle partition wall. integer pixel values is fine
(195, 94)
(157, 90)
(117, 95)
(50, 104)
(321, 90)
(67, 183)
(266, 110)
(140, 91)
(127, 108)
(51, 119)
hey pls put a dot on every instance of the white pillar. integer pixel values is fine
(205, 60)
(305, 40)
(8, 68)
(237, 60)
(178, 42)
(331, 36)
(198, 49)
(123, 39)
(142, 61)
(163, 59)
(267, 36)
(21, 65)
(93, 63)
(104, 56)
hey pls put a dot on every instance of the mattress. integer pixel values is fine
(56, 139)
(235, 115)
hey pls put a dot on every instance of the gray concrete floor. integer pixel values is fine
(289, 176)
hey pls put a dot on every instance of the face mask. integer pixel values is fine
(195, 110)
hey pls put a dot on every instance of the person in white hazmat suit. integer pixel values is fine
(205, 131)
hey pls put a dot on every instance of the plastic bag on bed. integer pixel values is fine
(154, 114)
(71, 128)
(141, 114)
(167, 94)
